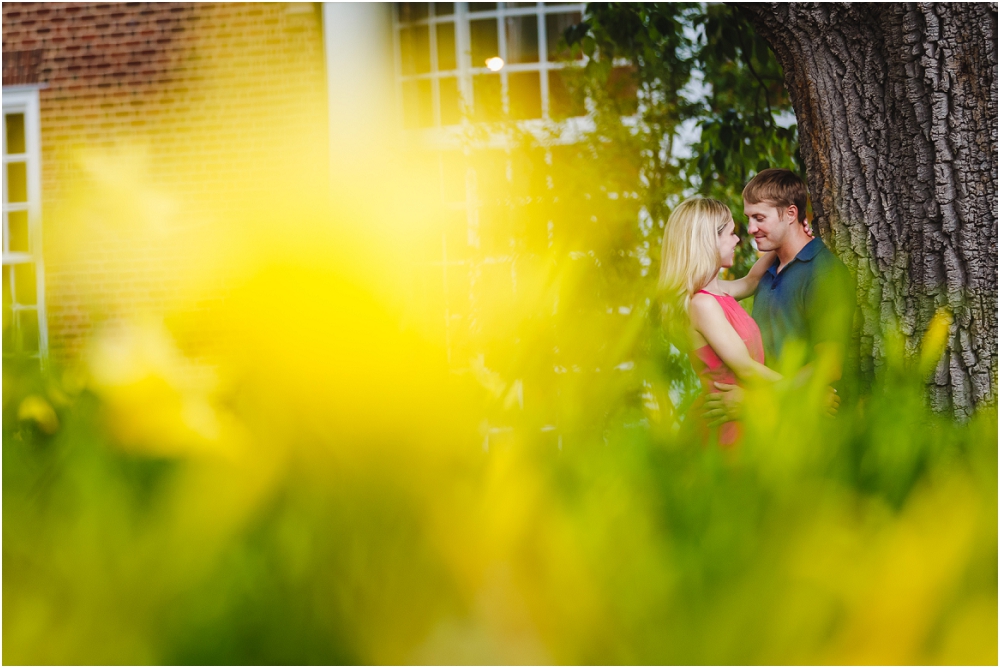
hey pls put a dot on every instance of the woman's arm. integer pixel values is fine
(709, 320)
(742, 288)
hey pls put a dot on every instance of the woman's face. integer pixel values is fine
(727, 244)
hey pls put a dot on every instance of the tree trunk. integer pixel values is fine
(897, 113)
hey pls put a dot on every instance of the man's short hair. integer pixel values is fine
(780, 187)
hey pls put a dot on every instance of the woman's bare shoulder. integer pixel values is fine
(704, 306)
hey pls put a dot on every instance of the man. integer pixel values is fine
(804, 302)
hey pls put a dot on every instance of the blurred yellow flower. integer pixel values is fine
(155, 400)
(935, 340)
(35, 409)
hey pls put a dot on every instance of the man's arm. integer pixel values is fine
(726, 405)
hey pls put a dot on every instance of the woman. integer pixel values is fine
(701, 310)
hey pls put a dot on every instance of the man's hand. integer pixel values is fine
(724, 405)
(832, 401)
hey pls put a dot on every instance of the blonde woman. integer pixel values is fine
(700, 310)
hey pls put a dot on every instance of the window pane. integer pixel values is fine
(495, 231)
(27, 326)
(486, 97)
(415, 50)
(17, 182)
(8, 316)
(6, 288)
(562, 104)
(528, 170)
(482, 6)
(457, 295)
(406, 51)
(522, 39)
(623, 87)
(456, 239)
(17, 232)
(446, 46)
(444, 8)
(483, 38)
(8, 321)
(453, 176)
(564, 156)
(555, 26)
(417, 110)
(451, 104)
(525, 95)
(15, 132)
(24, 284)
(412, 11)
(491, 174)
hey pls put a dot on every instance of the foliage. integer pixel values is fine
(693, 64)
(297, 535)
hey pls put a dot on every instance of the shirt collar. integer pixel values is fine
(808, 252)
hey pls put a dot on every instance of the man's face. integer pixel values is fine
(769, 225)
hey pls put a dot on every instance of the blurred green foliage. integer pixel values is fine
(871, 538)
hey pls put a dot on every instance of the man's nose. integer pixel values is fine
(752, 227)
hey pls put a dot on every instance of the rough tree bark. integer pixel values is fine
(897, 112)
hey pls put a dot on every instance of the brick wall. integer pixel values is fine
(190, 100)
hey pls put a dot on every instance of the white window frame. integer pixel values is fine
(456, 137)
(465, 71)
(24, 99)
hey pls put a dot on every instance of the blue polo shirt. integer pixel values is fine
(811, 300)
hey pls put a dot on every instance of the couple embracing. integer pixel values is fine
(802, 308)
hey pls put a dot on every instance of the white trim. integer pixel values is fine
(23, 88)
(24, 99)
(452, 137)
(17, 257)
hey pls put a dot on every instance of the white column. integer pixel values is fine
(357, 40)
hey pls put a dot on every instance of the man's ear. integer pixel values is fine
(792, 212)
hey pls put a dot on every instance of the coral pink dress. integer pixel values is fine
(711, 369)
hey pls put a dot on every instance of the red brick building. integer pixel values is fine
(200, 98)
(165, 78)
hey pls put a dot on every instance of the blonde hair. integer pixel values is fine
(689, 258)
